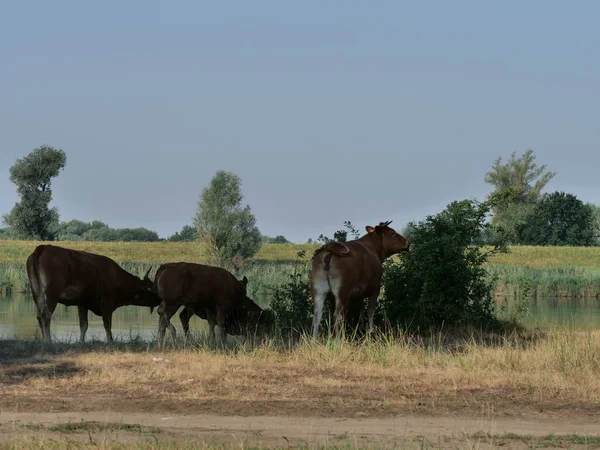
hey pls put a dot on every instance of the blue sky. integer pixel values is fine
(329, 111)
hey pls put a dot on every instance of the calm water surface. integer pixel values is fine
(18, 318)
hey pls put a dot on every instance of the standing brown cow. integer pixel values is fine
(352, 271)
(86, 280)
(210, 292)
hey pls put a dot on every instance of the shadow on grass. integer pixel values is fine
(23, 352)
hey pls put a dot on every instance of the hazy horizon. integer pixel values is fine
(328, 112)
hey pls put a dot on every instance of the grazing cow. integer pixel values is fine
(210, 292)
(86, 280)
(352, 271)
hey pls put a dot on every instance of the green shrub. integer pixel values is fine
(291, 302)
(441, 281)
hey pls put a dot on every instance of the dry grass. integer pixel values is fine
(18, 251)
(539, 257)
(542, 257)
(555, 372)
(473, 442)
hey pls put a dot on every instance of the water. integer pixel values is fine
(18, 318)
(562, 312)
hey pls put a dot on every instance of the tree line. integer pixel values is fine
(220, 219)
(526, 216)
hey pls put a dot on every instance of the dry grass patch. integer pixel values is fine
(372, 378)
(17, 251)
(479, 442)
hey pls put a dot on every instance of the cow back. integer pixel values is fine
(199, 286)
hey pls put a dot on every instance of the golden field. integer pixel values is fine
(549, 376)
(17, 251)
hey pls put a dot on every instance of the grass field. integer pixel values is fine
(109, 440)
(18, 251)
(536, 257)
(543, 375)
(543, 271)
(551, 370)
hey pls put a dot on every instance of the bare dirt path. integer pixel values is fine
(278, 430)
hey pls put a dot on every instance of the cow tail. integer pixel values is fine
(327, 261)
(36, 289)
(334, 248)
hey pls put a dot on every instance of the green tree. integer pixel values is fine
(558, 219)
(279, 239)
(31, 217)
(227, 228)
(525, 180)
(187, 234)
(596, 221)
(107, 234)
(73, 230)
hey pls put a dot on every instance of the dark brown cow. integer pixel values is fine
(352, 272)
(210, 292)
(86, 280)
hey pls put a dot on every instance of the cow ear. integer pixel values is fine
(370, 229)
(245, 280)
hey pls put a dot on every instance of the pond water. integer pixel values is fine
(18, 318)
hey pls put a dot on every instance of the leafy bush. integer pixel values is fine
(441, 281)
(291, 302)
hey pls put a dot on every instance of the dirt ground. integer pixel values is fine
(504, 399)
(405, 431)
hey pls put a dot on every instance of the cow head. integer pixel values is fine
(146, 295)
(249, 317)
(391, 242)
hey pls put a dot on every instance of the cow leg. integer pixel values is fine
(166, 312)
(340, 314)
(107, 321)
(45, 307)
(185, 315)
(211, 326)
(371, 308)
(319, 291)
(83, 322)
(342, 299)
(221, 323)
